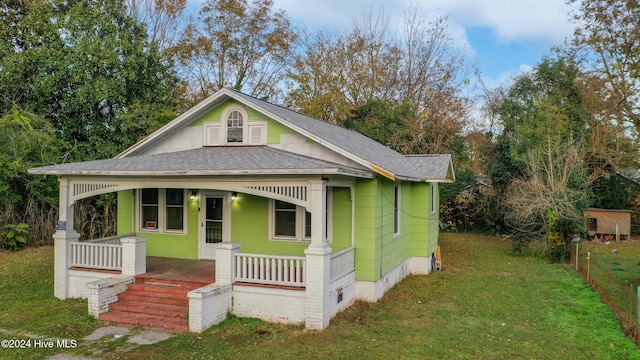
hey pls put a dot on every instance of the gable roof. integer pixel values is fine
(345, 142)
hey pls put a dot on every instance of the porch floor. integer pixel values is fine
(198, 271)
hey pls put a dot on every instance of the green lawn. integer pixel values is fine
(615, 269)
(486, 304)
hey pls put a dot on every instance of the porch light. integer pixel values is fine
(193, 194)
(234, 195)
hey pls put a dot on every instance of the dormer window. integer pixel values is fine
(234, 127)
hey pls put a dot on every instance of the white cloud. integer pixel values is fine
(512, 20)
(535, 24)
(545, 20)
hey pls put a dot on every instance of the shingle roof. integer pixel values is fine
(416, 168)
(429, 167)
(350, 144)
(235, 160)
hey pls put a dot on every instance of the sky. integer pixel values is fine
(504, 38)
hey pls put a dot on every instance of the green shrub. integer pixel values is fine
(14, 236)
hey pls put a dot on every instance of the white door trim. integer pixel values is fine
(204, 250)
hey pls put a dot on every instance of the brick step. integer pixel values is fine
(151, 308)
(146, 320)
(153, 303)
(156, 288)
(156, 298)
(141, 279)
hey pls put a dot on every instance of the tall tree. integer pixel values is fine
(608, 38)
(548, 203)
(162, 19)
(236, 43)
(334, 75)
(82, 66)
(26, 140)
(546, 102)
(539, 170)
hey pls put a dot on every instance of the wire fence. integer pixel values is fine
(617, 283)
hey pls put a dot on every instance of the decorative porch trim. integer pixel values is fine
(294, 191)
(81, 190)
(298, 192)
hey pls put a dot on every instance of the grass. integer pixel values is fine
(486, 304)
(615, 271)
(28, 306)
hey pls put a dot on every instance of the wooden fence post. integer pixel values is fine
(588, 266)
(577, 255)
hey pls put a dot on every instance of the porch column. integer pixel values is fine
(63, 237)
(225, 261)
(318, 211)
(318, 259)
(134, 255)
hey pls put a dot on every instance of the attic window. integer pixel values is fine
(234, 127)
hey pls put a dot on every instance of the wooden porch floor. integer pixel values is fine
(199, 271)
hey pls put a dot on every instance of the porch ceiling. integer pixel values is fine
(209, 161)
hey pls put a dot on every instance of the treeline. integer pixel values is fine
(83, 80)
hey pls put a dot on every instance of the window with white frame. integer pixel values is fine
(149, 209)
(285, 219)
(235, 128)
(162, 210)
(292, 222)
(396, 210)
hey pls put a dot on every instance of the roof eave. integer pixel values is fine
(317, 171)
(438, 180)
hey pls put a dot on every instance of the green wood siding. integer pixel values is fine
(216, 114)
(379, 250)
(341, 219)
(274, 130)
(366, 239)
(183, 246)
(420, 208)
(125, 212)
(394, 249)
(250, 226)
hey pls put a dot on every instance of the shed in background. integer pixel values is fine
(607, 224)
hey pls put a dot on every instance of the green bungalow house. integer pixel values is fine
(300, 217)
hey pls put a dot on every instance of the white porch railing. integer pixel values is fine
(96, 255)
(104, 253)
(342, 262)
(270, 269)
(114, 240)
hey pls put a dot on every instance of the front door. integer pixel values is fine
(213, 224)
